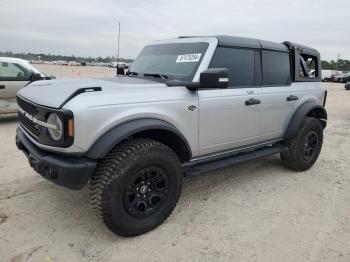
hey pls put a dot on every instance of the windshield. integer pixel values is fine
(174, 61)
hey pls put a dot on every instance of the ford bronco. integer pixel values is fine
(187, 106)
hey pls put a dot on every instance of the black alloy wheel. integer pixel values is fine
(146, 191)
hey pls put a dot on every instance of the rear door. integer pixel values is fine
(278, 98)
(227, 119)
(12, 78)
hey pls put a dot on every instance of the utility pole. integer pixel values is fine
(59, 57)
(338, 57)
(118, 45)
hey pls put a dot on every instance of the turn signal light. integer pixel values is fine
(71, 127)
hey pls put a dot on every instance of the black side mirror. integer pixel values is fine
(35, 77)
(214, 78)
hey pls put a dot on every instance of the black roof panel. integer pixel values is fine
(236, 41)
(273, 46)
(226, 40)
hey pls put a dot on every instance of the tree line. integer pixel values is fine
(342, 65)
(50, 57)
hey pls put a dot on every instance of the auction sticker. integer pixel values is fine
(188, 58)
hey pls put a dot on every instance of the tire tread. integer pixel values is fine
(110, 168)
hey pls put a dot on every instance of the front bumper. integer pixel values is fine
(71, 172)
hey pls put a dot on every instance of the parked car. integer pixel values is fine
(189, 105)
(331, 75)
(327, 75)
(343, 78)
(15, 73)
(347, 86)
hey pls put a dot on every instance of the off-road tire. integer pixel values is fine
(294, 158)
(112, 178)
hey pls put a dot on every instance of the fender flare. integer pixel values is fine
(301, 113)
(118, 133)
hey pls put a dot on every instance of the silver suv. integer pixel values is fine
(187, 106)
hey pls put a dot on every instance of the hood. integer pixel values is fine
(55, 93)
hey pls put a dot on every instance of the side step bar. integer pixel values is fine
(197, 168)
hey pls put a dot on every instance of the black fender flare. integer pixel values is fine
(301, 113)
(118, 133)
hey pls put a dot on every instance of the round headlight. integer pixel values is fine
(57, 132)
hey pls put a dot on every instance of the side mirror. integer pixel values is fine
(35, 77)
(214, 78)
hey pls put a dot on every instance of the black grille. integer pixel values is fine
(29, 108)
(29, 125)
(26, 123)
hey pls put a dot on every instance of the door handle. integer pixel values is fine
(2, 86)
(292, 98)
(252, 101)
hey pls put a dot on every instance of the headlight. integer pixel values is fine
(56, 131)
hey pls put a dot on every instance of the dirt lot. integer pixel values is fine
(256, 211)
(75, 71)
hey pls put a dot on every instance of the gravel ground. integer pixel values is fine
(256, 211)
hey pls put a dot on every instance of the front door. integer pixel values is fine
(227, 119)
(231, 118)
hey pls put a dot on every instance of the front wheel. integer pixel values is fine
(305, 148)
(136, 186)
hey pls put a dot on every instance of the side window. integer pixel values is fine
(239, 62)
(308, 67)
(13, 72)
(276, 68)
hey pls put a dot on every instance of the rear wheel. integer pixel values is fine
(305, 148)
(136, 186)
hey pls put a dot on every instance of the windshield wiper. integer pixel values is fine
(162, 76)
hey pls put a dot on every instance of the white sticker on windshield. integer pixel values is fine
(188, 58)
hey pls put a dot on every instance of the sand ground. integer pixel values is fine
(255, 211)
(75, 71)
